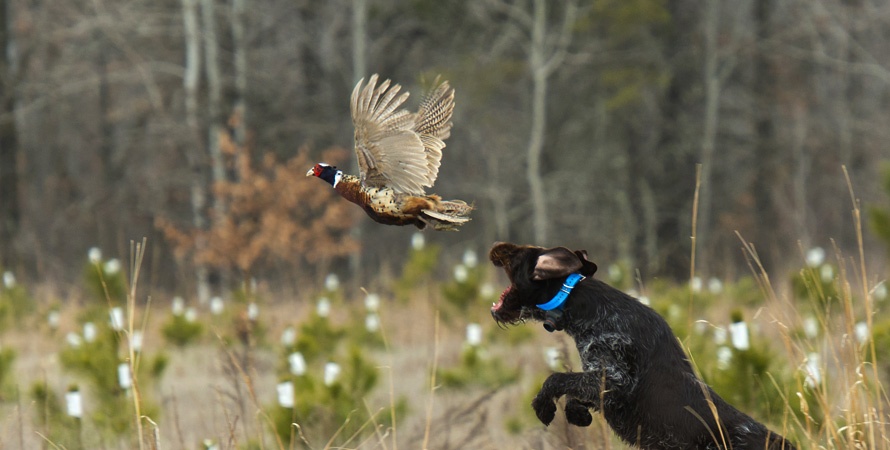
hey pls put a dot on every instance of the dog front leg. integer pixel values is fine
(581, 388)
(578, 412)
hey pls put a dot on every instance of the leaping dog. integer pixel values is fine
(634, 371)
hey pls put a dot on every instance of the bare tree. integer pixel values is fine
(616, 107)
(544, 58)
(543, 61)
(239, 44)
(359, 69)
(10, 213)
(766, 151)
(194, 153)
(719, 63)
(214, 97)
(359, 38)
(546, 51)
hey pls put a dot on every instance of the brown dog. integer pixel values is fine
(635, 372)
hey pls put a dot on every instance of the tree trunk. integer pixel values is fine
(215, 115)
(359, 39)
(709, 131)
(106, 129)
(359, 70)
(191, 76)
(542, 63)
(192, 69)
(10, 210)
(765, 151)
(214, 101)
(535, 149)
(239, 43)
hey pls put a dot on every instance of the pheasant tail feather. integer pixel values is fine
(448, 216)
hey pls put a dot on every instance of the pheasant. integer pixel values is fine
(399, 153)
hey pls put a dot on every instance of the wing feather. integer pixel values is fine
(434, 123)
(394, 147)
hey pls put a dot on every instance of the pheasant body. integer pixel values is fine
(398, 154)
(388, 207)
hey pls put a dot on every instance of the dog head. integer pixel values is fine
(535, 274)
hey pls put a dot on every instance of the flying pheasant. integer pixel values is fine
(399, 153)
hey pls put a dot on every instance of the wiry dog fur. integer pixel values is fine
(634, 370)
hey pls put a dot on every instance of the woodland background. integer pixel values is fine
(578, 123)
(589, 124)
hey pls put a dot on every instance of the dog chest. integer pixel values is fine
(609, 355)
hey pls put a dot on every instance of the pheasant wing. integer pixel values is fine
(390, 153)
(434, 124)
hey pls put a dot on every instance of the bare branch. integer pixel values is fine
(564, 39)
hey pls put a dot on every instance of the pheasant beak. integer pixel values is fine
(315, 170)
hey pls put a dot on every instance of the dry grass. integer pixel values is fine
(210, 391)
(223, 392)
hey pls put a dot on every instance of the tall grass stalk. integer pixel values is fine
(845, 408)
(392, 392)
(356, 433)
(48, 441)
(433, 370)
(866, 292)
(137, 254)
(381, 438)
(689, 316)
(260, 411)
(693, 241)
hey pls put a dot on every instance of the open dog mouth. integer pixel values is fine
(504, 311)
(495, 307)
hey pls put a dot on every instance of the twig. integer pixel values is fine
(156, 433)
(301, 435)
(48, 441)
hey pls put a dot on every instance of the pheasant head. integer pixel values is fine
(326, 172)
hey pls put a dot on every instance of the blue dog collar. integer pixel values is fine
(563, 293)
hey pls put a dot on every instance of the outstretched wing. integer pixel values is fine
(434, 124)
(396, 148)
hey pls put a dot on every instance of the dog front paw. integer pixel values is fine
(577, 414)
(545, 408)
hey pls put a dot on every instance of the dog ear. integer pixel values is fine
(556, 263)
(588, 268)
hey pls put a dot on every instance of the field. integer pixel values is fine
(410, 371)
